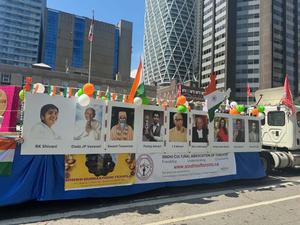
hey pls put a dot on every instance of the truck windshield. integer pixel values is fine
(298, 119)
(276, 118)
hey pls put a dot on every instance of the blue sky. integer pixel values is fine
(110, 11)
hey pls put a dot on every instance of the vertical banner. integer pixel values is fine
(151, 168)
(177, 133)
(99, 170)
(9, 103)
(151, 120)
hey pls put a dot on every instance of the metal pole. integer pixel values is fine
(90, 63)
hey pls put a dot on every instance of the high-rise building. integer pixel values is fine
(279, 44)
(171, 41)
(20, 29)
(66, 44)
(250, 41)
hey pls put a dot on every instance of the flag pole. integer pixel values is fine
(90, 62)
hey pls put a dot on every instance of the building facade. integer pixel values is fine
(171, 41)
(279, 44)
(250, 41)
(65, 43)
(62, 79)
(21, 25)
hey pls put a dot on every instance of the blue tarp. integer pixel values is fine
(42, 178)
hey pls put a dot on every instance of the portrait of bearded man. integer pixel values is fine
(122, 131)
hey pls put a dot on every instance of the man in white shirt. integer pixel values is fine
(89, 129)
(179, 132)
(156, 130)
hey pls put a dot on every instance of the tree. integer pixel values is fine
(297, 101)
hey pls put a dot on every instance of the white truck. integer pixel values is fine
(280, 131)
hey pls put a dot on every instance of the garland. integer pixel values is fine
(119, 132)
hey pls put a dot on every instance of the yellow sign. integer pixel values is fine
(97, 170)
(3, 102)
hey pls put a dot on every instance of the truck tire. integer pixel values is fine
(265, 161)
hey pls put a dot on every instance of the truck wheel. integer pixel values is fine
(265, 161)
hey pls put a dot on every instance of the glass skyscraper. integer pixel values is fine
(171, 40)
(20, 29)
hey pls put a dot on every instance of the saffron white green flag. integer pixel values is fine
(213, 97)
(67, 92)
(51, 90)
(138, 87)
(7, 152)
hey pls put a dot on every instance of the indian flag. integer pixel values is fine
(7, 152)
(113, 96)
(107, 92)
(67, 92)
(51, 90)
(213, 96)
(34, 88)
(123, 98)
(138, 87)
(97, 95)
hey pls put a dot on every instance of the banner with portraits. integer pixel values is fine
(58, 125)
(152, 168)
(99, 170)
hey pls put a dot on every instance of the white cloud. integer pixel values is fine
(133, 73)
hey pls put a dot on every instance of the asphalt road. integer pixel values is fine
(271, 200)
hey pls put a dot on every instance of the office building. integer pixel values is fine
(279, 23)
(250, 41)
(171, 41)
(65, 44)
(20, 28)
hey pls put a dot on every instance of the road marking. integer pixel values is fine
(56, 216)
(223, 211)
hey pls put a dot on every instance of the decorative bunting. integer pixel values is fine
(51, 90)
(34, 88)
(67, 92)
(123, 98)
(97, 95)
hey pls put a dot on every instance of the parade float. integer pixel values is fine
(92, 144)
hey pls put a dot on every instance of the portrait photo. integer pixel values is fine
(221, 129)
(200, 128)
(153, 126)
(45, 129)
(238, 126)
(254, 135)
(122, 124)
(178, 127)
(88, 122)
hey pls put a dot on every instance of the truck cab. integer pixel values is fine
(280, 131)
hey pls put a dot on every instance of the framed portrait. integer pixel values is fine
(177, 131)
(121, 131)
(200, 131)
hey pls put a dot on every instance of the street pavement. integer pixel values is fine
(271, 200)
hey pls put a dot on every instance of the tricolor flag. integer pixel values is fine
(97, 95)
(138, 88)
(154, 100)
(123, 98)
(287, 96)
(7, 152)
(51, 90)
(227, 107)
(113, 96)
(107, 92)
(204, 106)
(34, 88)
(67, 92)
(91, 32)
(248, 90)
(213, 96)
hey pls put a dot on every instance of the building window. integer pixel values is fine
(23, 80)
(65, 83)
(46, 81)
(6, 78)
(80, 85)
(97, 88)
(165, 95)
